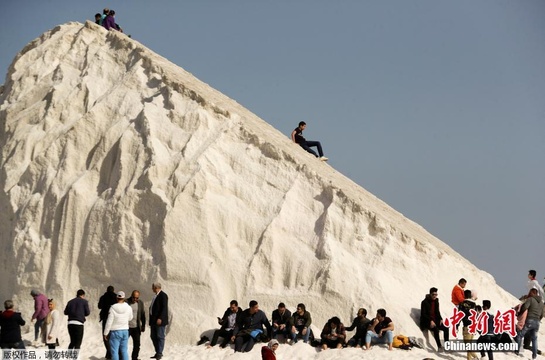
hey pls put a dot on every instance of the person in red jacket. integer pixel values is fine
(457, 296)
(268, 352)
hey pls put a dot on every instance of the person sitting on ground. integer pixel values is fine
(250, 328)
(98, 19)
(333, 334)
(430, 317)
(457, 295)
(268, 352)
(10, 328)
(109, 21)
(227, 322)
(300, 324)
(381, 330)
(360, 323)
(281, 319)
(297, 137)
(105, 13)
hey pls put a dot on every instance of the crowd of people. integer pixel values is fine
(107, 20)
(123, 317)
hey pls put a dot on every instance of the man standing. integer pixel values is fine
(281, 319)
(158, 319)
(76, 310)
(41, 309)
(138, 323)
(533, 283)
(430, 317)
(297, 137)
(534, 306)
(116, 330)
(104, 303)
(10, 328)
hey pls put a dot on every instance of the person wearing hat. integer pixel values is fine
(268, 352)
(41, 309)
(116, 330)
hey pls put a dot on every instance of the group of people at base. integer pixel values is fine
(244, 328)
(121, 318)
(529, 314)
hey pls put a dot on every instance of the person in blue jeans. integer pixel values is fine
(534, 306)
(116, 330)
(381, 331)
(297, 137)
(158, 319)
(300, 324)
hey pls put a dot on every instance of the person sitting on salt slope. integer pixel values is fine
(281, 318)
(230, 317)
(300, 324)
(98, 19)
(333, 334)
(109, 22)
(269, 352)
(297, 137)
(430, 317)
(360, 323)
(249, 328)
(105, 13)
(381, 330)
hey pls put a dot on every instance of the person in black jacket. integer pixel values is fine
(430, 317)
(230, 318)
(158, 319)
(10, 328)
(361, 324)
(76, 310)
(250, 328)
(281, 320)
(104, 303)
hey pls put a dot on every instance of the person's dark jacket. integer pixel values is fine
(285, 318)
(140, 314)
(224, 320)
(305, 318)
(159, 309)
(249, 322)
(341, 332)
(466, 306)
(77, 309)
(361, 325)
(425, 312)
(10, 327)
(108, 299)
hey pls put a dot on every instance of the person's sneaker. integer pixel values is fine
(323, 158)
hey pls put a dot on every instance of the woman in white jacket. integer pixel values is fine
(51, 326)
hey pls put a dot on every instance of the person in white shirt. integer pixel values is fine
(533, 283)
(116, 330)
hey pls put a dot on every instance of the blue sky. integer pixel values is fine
(436, 107)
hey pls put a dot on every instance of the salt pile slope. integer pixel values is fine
(119, 167)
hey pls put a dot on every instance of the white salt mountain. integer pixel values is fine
(119, 167)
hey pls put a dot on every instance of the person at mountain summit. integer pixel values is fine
(297, 137)
(109, 22)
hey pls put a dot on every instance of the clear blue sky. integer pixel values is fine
(436, 107)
